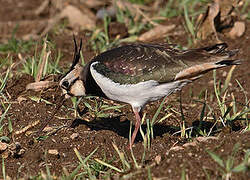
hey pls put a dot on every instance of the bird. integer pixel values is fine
(140, 73)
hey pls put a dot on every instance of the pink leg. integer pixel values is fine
(137, 125)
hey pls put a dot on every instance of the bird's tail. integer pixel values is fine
(221, 50)
(197, 71)
(228, 62)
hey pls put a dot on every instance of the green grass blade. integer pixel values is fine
(87, 158)
(149, 174)
(113, 107)
(202, 115)
(10, 125)
(108, 165)
(183, 174)
(122, 157)
(158, 111)
(228, 79)
(88, 105)
(189, 24)
(239, 168)
(75, 171)
(216, 158)
(3, 169)
(3, 83)
(4, 114)
(156, 115)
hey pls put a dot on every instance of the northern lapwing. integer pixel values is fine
(140, 73)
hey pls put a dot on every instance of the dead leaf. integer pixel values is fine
(207, 26)
(226, 8)
(44, 60)
(94, 3)
(42, 7)
(77, 19)
(74, 136)
(158, 159)
(20, 99)
(219, 17)
(238, 30)
(136, 10)
(37, 86)
(155, 33)
(23, 130)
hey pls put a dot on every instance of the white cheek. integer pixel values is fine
(64, 91)
(67, 96)
(78, 89)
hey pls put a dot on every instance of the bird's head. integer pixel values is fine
(72, 83)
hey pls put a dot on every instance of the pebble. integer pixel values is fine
(3, 146)
(158, 159)
(47, 129)
(53, 152)
(176, 148)
(5, 154)
(74, 136)
(211, 82)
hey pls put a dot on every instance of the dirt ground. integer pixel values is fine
(176, 154)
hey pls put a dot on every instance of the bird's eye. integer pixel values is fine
(65, 84)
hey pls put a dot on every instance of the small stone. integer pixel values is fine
(211, 82)
(20, 99)
(74, 136)
(5, 154)
(176, 148)
(3, 146)
(28, 133)
(53, 152)
(158, 159)
(47, 129)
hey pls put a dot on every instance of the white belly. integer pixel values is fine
(135, 94)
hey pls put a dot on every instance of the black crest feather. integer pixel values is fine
(76, 53)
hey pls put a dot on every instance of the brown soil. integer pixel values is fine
(191, 158)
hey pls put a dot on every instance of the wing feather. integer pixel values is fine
(142, 62)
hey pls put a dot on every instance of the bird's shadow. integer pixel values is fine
(122, 128)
